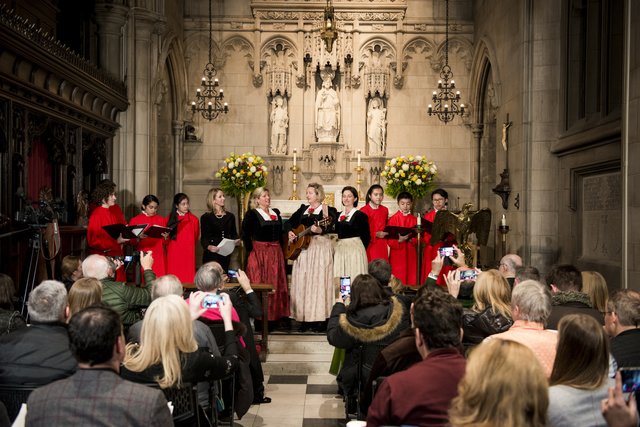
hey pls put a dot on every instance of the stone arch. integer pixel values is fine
(484, 64)
(418, 47)
(458, 46)
(239, 45)
(383, 45)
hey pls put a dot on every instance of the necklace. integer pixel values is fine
(219, 215)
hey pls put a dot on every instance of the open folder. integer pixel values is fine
(396, 231)
(157, 231)
(127, 231)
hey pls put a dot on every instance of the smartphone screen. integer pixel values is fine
(128, 258)
(233, 274)
(468, 275)
(211, 301)
(446, 251)
(630, 379)
(345, 286)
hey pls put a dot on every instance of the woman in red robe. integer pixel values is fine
(99, 241)
(378, 216)
(402, 254)
(156, 246)
(181, 250)
(439, 200)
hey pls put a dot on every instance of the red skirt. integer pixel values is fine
(266, 265)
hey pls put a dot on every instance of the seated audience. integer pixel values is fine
(491, 310)
(169, 355)
(39, 354)
(380, 269)
(83, 293)
(579, 377)
(526, 273)
(10, 319)
(371, 317)
(421, 395)
(565, 282)
(530, 308)
(95, 394)
(126, 300)
(70, 270)
(508, 266)
(622, 324)
(504, 385)
(617, 409)
(594, 285)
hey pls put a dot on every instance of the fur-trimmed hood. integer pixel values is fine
(374, 323)
(571, 297)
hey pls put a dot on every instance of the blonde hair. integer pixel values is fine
(492, 289)
(167, 332)
(594, 285)
(319, 189)
(211, 196)
(255, 195)
(84, 292)
(504, 384)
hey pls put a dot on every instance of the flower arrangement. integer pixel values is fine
(242, 174)
(413, 174)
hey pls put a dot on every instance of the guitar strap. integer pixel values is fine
(325, 210)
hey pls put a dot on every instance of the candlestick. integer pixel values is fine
(359, 158)
(294, 180)
(295, 156)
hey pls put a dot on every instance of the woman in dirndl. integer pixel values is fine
(261, 234)
(350, 258)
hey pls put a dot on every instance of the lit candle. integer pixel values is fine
(503, 221)
(359, 158)
(295, 156)
(419, 220)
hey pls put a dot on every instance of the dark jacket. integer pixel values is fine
(128, 300)
(625, 348)
(38, 354)
(375, 326)
(10, 320)
(478, 326)
(571, 302)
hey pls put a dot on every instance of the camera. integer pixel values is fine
(345, 287)
(468, 275)
(211, 301)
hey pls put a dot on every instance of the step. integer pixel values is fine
(299, 347)
(296, 368)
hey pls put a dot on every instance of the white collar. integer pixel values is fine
(266, 216)
(180, 213)
(314, 211)
(405, 214)
(369, 204)
(349, 215)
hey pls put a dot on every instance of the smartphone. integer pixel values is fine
(630, 379)
(468, 275)
(128, 258)
(446, 251)
(345, 287)
(211, 301)
(233, 274)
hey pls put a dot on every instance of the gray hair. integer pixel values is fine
(533, 300)
(96, 266)
(48, 302)
(512, 262)
(166, 285)
(208, 278)
(527, 273)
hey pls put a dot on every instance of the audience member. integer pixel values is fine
(84, 293)
(371, 317)
(508, 266)
(579, 377)
(70, 270)
(504, 385)
(622, 324)
(594, 285)
(530, 308)
(422, 394)
(617, 410)
(10, 319)
(491, 310)
(126, 300)
(95, 394)
(39, 354)
(565, 282)
(380, 269)
(526, 273)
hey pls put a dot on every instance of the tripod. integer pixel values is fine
(35, 245)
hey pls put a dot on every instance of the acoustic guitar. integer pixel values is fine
(302, 240)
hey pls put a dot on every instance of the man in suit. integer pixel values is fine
(95, 394)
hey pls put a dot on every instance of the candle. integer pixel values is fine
(295, 156)
(503, 221)
(419, 220)
(359, 158)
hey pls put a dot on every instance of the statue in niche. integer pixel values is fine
(376, 127)
(279, 125)
(327, 112)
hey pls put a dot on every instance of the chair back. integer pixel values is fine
(13, 396)
(185, 403)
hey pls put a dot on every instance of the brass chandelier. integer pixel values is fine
(329, 33)
(445, 100)
(209, 99)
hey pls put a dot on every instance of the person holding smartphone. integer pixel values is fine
(149, 215)
(439, 201)
(217, 224)
(261, 235)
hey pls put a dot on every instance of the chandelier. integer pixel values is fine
(445, 100)
(209, 99)
(329, 33)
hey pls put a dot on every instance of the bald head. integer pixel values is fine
(168, 284)
(96, 266)
(509, 264)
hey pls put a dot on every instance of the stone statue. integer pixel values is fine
(279, 125)
(327, 112)
(376, 127)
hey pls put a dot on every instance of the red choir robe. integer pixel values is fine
(156, 246)
(99, 241)
(402, 255)
(181, 252)
(431, 251)
(377, 247)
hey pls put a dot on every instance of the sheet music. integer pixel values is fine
(226, 247)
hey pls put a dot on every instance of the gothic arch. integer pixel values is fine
(418, 47)
(370, 46)
(240, 45)
(270, 45)
(198, 43)
(458, 46)
(484, 68)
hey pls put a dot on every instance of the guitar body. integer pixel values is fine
(293, 249)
